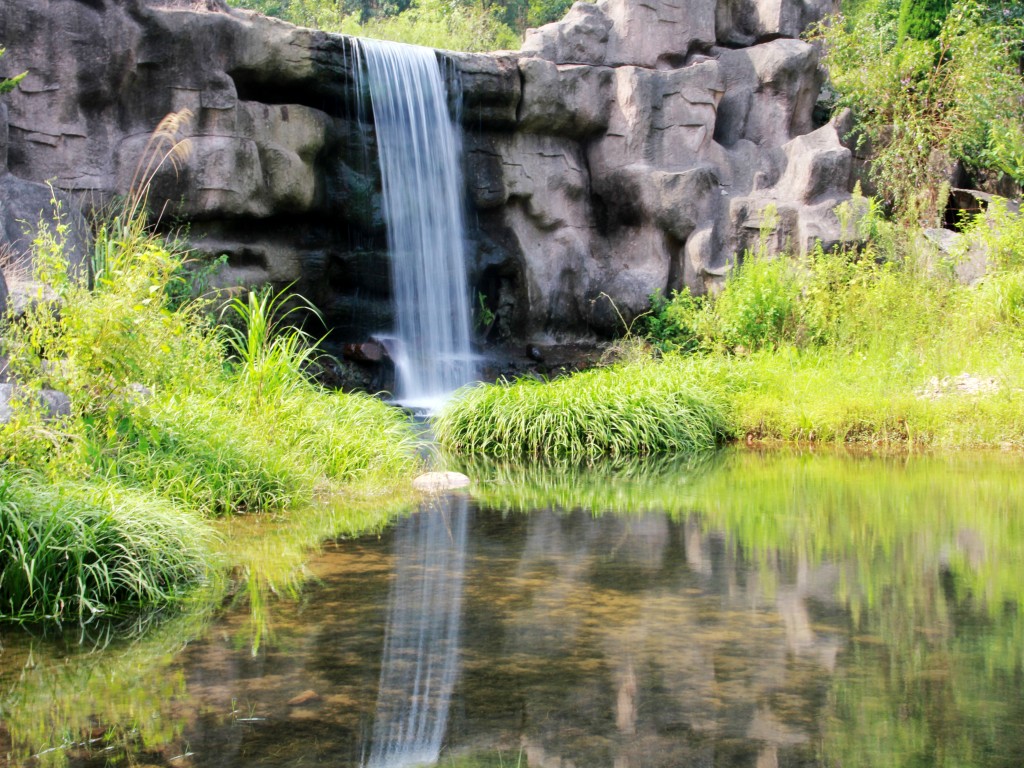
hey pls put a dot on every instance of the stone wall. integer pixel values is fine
(628, 148)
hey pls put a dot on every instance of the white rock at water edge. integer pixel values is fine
(434, 482)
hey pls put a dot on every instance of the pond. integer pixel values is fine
(753, 609)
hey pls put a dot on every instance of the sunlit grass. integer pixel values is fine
(619, 411)
(74, 550)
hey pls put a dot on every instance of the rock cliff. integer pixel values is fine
(630, 147)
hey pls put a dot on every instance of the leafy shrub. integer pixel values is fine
(958, 96)
(922, 19)
(680, 323)
(758, 306)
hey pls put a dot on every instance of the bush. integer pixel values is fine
(922, 19)
(924, 103)
(438, 24)
(680, 323)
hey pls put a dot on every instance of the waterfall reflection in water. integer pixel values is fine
(421, 645)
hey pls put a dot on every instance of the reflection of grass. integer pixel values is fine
(103, 692)
(625, 487)
(959, 511)
(927, 552)
(269, 553)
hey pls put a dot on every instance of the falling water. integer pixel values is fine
(421, 644)
(422, 198)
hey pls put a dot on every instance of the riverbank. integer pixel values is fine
(173, 414)
(883, 344)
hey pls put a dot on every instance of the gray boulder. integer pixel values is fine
(53, 404)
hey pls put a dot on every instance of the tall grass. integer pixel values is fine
(72, 550)
(629, 410)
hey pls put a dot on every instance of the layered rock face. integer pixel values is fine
(650, 138)
(629, 148)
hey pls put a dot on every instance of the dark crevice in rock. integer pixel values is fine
(252, 86)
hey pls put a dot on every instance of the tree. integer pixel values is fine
(959, 95)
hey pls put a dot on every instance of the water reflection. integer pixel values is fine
(421, 642)
(779, 610)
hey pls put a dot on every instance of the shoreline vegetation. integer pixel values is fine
(180, 416)
(878, 344)
(174, 419)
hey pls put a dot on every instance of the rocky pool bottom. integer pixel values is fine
(749, 609)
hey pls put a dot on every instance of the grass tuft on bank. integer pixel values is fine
(618, 411)
(78, 549)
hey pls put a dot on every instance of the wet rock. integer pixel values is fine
(435, 482)
(365, 352)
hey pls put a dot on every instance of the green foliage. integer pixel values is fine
(545, 11)
(629, 410)
(445, 24)
(922, 19)
(73, 550)
(757, 308)
(924, 103)
(270, 355)
(171, 417)
(9, 84)
(680, 323)
(999, 232)
(438, 24)
(879, 343)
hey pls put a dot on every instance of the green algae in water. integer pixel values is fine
(747, 609)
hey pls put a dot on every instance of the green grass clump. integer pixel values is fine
(71, 550)
(627, 410)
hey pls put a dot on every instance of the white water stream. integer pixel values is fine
(419, 150)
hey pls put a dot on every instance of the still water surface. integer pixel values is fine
(755, 610)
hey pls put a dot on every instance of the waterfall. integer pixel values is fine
(421, 644)
(419, 152)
